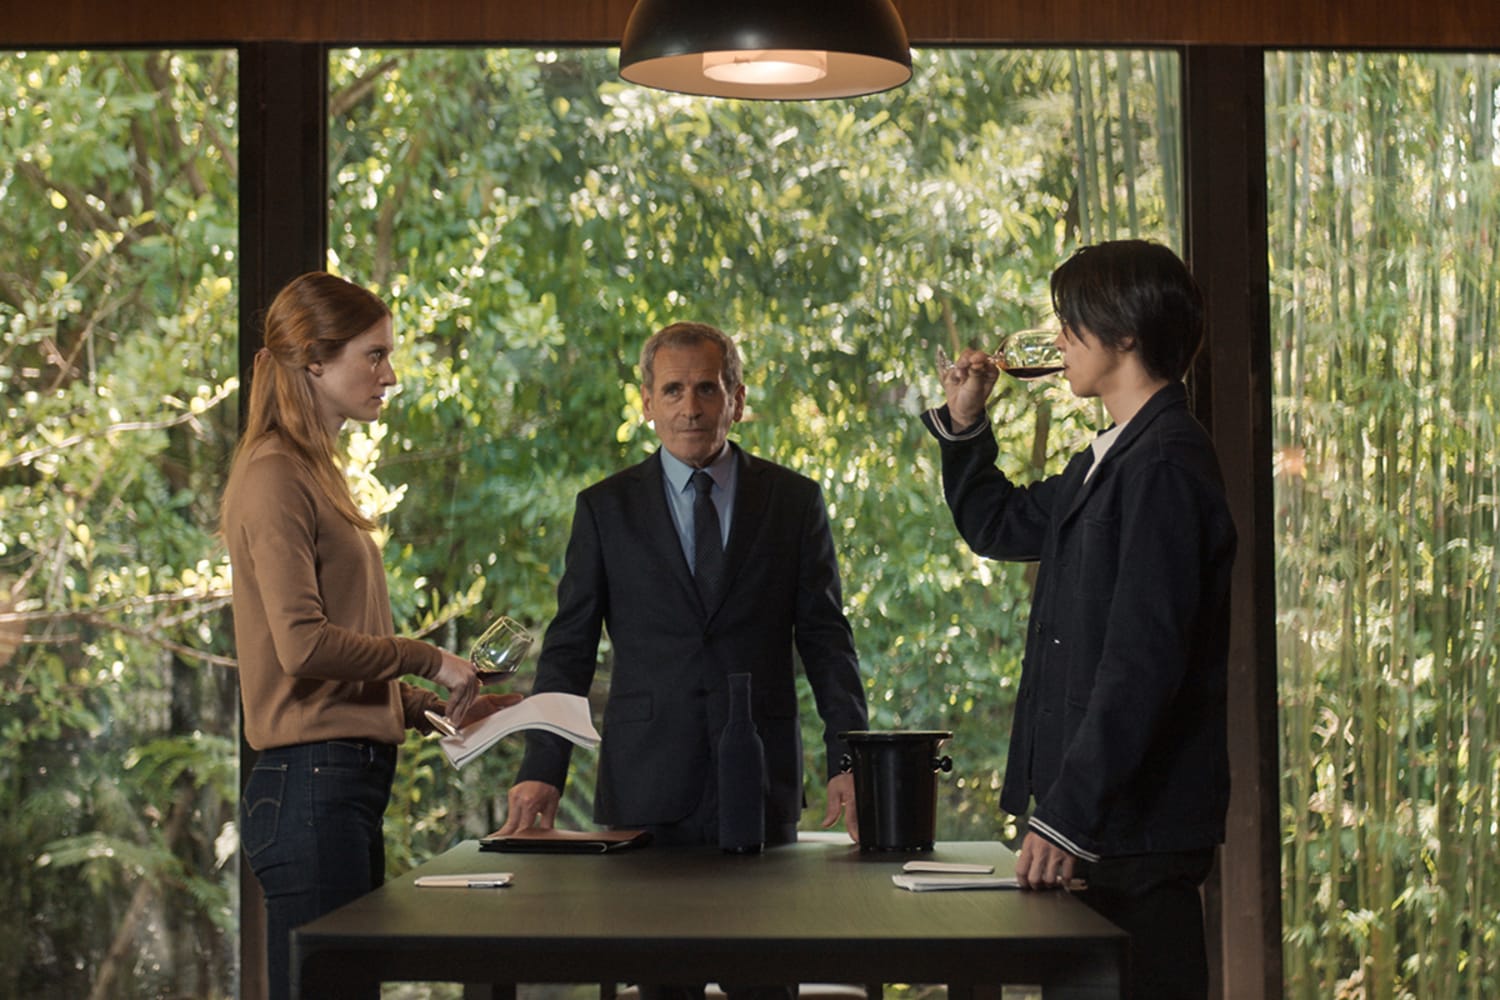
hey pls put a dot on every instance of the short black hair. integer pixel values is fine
(1133, 294)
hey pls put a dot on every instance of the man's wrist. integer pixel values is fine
(961, 422)
(940, 422)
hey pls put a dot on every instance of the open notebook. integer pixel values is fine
(566, 715)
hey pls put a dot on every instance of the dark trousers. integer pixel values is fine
(1155, 899)
(310, 827)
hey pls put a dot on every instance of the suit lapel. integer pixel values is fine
(752, 498)
(752, 495)
(1155, 406)
(656, 522)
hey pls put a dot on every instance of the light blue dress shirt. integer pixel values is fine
(677, 478)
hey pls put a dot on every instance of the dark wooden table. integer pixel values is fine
(814, 911)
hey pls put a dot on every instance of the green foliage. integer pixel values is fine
(117, 750)
(1387, 290)
(534, 220)
(531, 220)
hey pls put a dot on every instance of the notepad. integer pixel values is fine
(930, 883)
(566, 715)
(948, 868)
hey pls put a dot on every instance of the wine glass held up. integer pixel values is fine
(1029, 354)
(1025, 354)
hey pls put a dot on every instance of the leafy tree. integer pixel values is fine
(843, 242)
(531, 220)
(117, 719)
(1383, 185)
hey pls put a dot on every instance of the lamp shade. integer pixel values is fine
(783, 50)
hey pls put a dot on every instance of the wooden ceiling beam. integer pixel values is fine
(1407, 24)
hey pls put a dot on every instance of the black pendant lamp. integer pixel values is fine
(781, 50)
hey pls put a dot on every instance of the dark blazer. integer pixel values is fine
(1120, 725)
(668, 696)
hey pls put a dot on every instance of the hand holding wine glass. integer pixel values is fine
(495, 656)
(967, 383)
(1025, 354)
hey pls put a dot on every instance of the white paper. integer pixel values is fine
(469, 880)
(927, 883)
(567, 715)
(948, 867)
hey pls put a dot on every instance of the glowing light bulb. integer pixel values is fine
(766, 67)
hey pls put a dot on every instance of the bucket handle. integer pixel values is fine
(943, 763)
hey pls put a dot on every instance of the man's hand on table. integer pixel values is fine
(1043, 865)
(530, 804)
(841, 800)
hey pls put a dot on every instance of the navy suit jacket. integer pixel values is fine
(1121, 716)
(668, 695)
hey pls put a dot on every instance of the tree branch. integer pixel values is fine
(342, 102)
(27, 457)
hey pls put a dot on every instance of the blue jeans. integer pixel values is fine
(310, 826)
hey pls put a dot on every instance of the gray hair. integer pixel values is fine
(691, 335)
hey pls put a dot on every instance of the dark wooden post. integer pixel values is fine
(1224, 129)
(283, 233)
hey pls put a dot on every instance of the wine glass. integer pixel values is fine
(499, 650)
(496, 654)
(1025, 354)
(1030, 354)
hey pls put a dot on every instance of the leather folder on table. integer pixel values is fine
(565, 841)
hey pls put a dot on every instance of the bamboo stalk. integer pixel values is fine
(1109, 173)
(1124, 74)
(1161, 67)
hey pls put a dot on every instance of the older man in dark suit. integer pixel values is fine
(688, 602)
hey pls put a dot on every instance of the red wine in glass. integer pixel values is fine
(1025, 354)
(1028, 354)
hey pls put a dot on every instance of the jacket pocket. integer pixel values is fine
(1098, 549)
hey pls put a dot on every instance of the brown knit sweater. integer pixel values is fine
(312, 618)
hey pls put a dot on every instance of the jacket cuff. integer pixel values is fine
(940, 423)
(1057, 838)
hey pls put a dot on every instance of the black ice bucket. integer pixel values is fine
(895, 787)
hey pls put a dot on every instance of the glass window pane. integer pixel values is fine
(532, 220)
(1383, 200)
(118, 710)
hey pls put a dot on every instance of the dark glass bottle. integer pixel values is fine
(742, 775)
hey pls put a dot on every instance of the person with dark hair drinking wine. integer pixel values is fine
(1118, 752)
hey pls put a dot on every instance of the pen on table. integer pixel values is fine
(477, 880)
